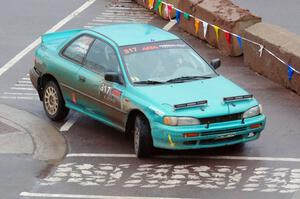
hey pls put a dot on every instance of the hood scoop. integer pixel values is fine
(190, 104)
(238, 98)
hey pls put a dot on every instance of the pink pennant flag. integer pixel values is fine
(170, 8)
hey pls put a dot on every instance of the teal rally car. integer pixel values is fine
(147, 82)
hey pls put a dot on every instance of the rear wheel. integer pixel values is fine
(53, 102)
(143, 145)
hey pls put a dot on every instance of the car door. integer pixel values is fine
(99, 97)
(72, 56)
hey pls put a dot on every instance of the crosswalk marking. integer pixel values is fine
(21, 90)
(122, 11)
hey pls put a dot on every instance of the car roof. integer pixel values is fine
(129, 34)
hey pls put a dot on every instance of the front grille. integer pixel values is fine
(225, 118)
(216, 141)
(224, 131)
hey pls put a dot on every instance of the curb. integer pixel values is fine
(48, 143)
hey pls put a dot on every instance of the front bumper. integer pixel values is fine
(216, 135)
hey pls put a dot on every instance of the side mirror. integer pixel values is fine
(112, 77)
(216, 63)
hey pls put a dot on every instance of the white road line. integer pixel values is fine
(19, 97)
(24, 85)
(123, 8)
(278, 159)
(51, 195)
(169, 25)
(69, 123)
(102, 155)
(24, 82)
(22, 88)
(8, 93)
(118, 20)
(122, 17)
(34, 44)
(26, 78)
(129, 14)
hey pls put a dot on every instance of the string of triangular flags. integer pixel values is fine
(228, 35)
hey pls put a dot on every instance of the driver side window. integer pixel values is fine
(101, 58)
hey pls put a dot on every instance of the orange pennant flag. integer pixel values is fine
(197, 22)
(217, 32)
(150, 4)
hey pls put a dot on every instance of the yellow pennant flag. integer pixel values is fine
(150, 4)
(160, 9)
(217, 32)
(197, 22)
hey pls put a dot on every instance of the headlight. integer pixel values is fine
(254, 111)
(181, 121)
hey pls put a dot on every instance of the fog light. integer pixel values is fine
(254, 126)
(188, 135)
(251, 134)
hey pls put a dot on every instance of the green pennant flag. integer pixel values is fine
(186, 16)
(157, 4)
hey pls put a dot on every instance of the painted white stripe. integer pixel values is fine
(118, 20)
(24, 82)
(34, 44)
(124, 8)
(129, 14)
(22, 88)
(143, 12)
(69, 123)
(24, 85)
(169, 25)
(102, 155)
(51, 195)
(26, 78)
(126, 17)
(19, 98)
(278, 159)
(8, 93)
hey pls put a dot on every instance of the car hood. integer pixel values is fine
(213, 90)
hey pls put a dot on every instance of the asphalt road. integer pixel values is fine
(281, 13)
(114, 171)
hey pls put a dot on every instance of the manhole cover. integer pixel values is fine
(4, 128)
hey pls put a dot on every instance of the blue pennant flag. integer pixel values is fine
(290, 72)
(178, 16)
(239, 39)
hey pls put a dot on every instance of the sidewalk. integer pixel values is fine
(24, 133)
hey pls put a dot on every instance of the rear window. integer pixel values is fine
(77, 50)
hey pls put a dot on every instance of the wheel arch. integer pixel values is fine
(130, 119)
(42, 83)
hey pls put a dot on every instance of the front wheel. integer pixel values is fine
(53, 102)
(143, 144)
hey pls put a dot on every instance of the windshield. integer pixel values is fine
(164, 62)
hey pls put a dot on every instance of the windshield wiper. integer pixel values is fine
(186, 78)
(149, 82)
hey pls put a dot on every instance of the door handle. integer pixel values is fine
(81, 78)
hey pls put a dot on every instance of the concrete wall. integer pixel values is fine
(222, 13)
(284, 44)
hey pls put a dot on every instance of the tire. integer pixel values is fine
(53, 102)
(143, 145)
